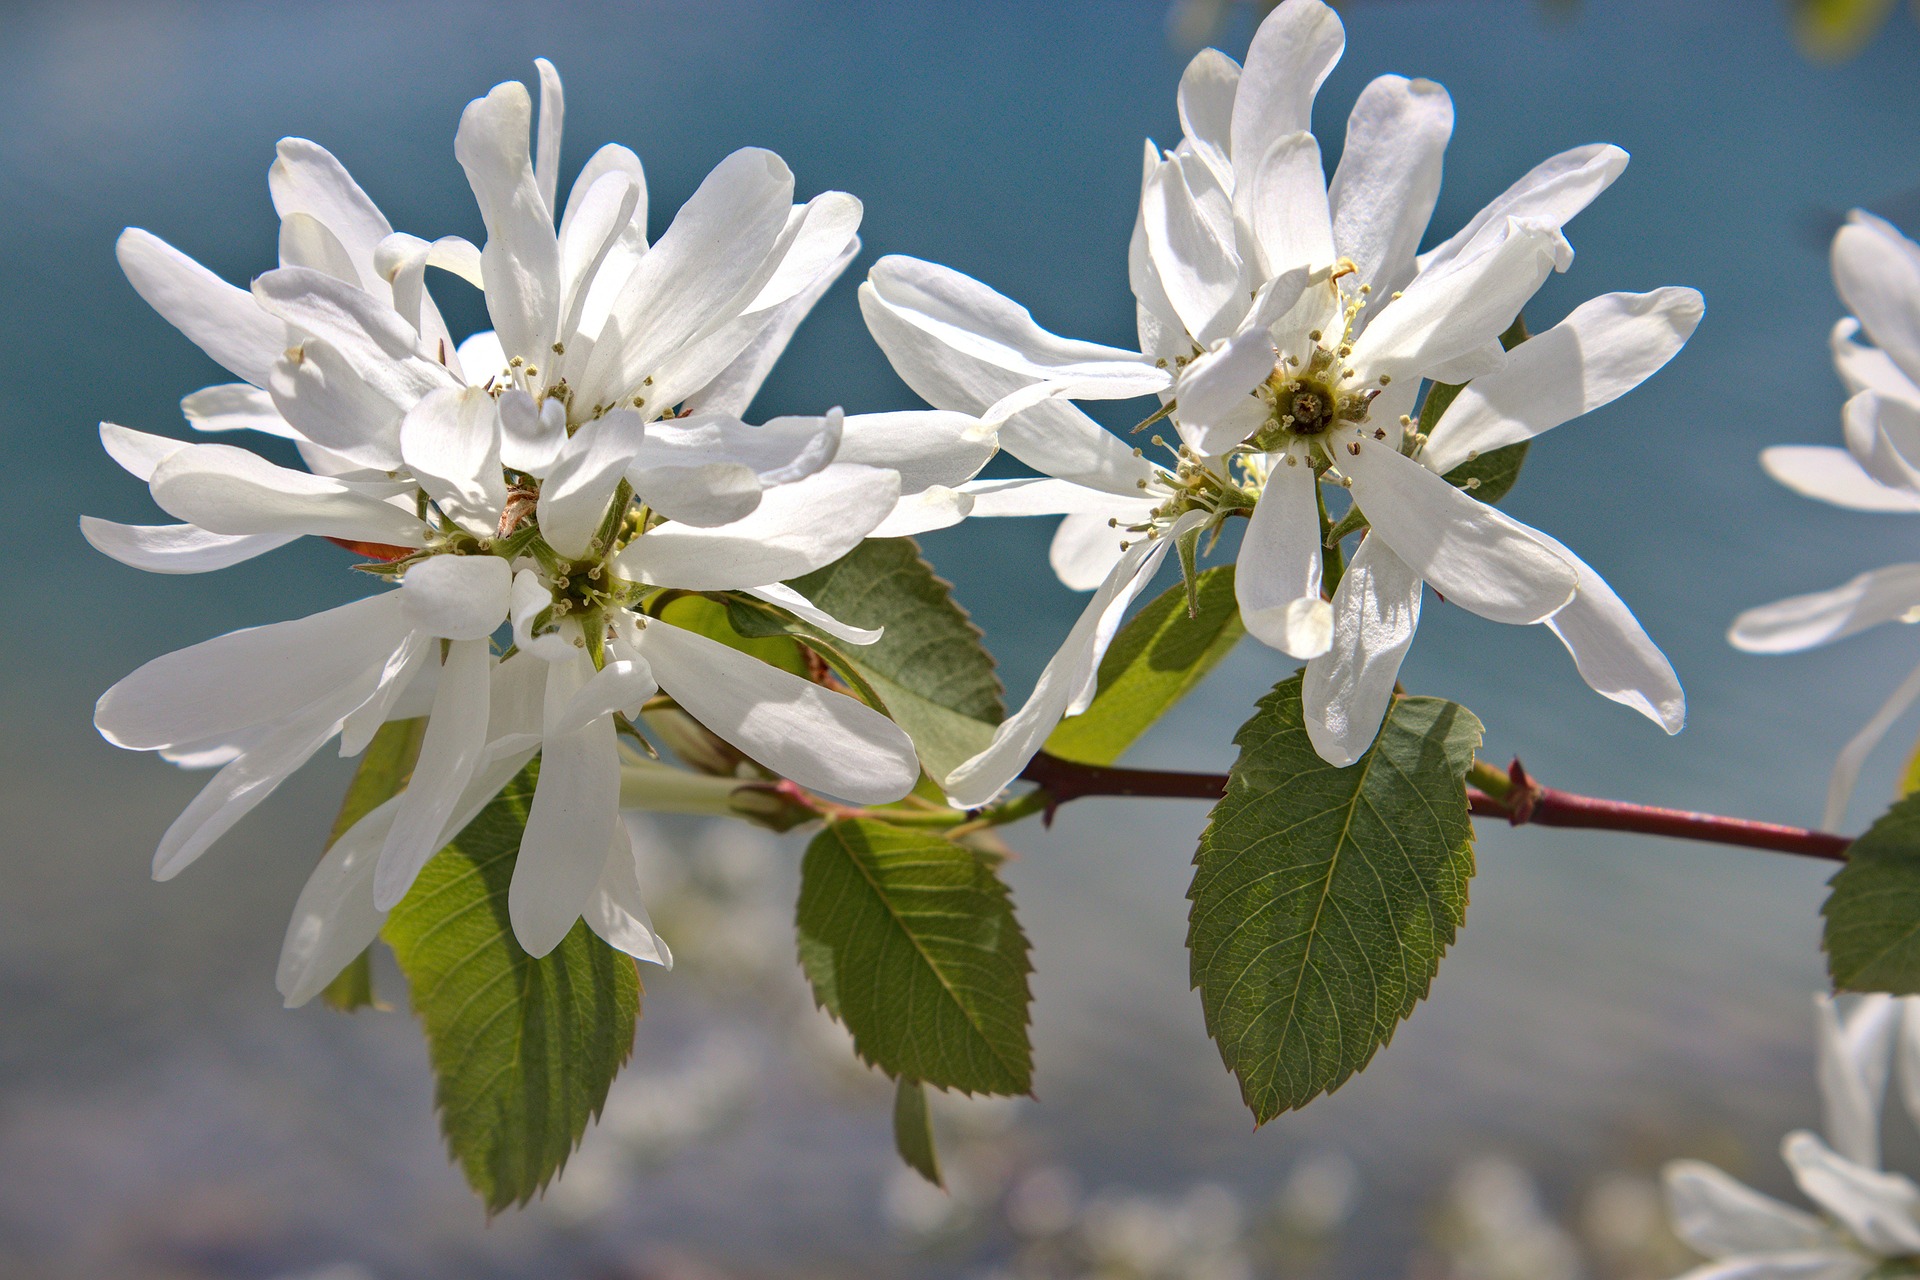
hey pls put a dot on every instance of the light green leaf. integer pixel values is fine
(1156, 660)
(714, 620)
(1323, 898)
(1873, 914)
(384, 769)
(911, 942)
(913, 1131)
(522, 1049)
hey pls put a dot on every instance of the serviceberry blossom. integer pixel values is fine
(561, 472)
(1877, 273)
(1287, 325)
(1869, 1220)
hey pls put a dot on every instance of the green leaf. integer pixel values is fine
(913, 1131)
(1323, 898)
(911, 942)
(714, 620)
(1156, 660)
(1496, 470)
(1873, 914)
(385, 767)
(522, 1049)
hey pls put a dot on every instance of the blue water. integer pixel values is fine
(1611, 1002)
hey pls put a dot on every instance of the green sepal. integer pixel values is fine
(1323, 898)
(910, 941)
(913, 1131)
(1187, 549)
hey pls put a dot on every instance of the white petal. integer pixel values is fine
(796, 529)
(716, 248)
(1846, 767)
(1283, 198)
(321, 393)
(1277, 578)
(616, 910)
(800, 607)
(581, 484)
(546, 156)
(1613, 653)
(229, 490)
(1553, 191)
(1290, 56)
(1389, 177)
(1720, 1217)
(1833, 475)
(1883, 435)
(576, 809)
(702, 497)
(1877, 271)
(1084, 550)
(1821, 617)
(334, 919)
(1852, 1056)
(305, 242)
(1882, 1210)
(236, 406)
(827, 225)
(306, 179)
(781, 451)
(1031, 497)
(393, 685)
(1864, 368)
(530, 437)
(622, 685)
(221, 320)
(176, 548)
(457, 597)
(1445, 315)
(1216, 387)
(1188, 219)
(452, 750)
(927, 447)
(916, 513)
(529, 598)
(734, 387)
(1474, 555)
(1347, 689)
(1207, 90)
(1606, 348)
(451, 442)
(521, 259)
(822, 740)
(343, 314)
(1020, 737)
(139, 453)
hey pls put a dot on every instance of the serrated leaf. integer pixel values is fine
(913, 1131)
(1323, 898)
(1156, 660)
(911, 942)
(1873, 912)
(522, 1049)
(385, 767)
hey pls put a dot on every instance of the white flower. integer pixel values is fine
(563, 497)
(1286, 325)
(1877, 272)
(1871, 1216)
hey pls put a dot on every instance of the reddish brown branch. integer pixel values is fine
(1526, 802)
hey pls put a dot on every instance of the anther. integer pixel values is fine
(515, 363)
(1385, 378)
(1380, 433)
(559, 348)
(1354, 448)
(1314, 336)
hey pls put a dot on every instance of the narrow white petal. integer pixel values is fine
(827, 225)
(702, 497)
(1821, 617)
(823, 740)
(531, 436)
(576, 809)
(1084, 550)
(344, 314)
(322, 395)
(1034, 497)
(937, 507)
(732, 389)
(1833, 475)
(1864, 368)
(617, 911)
(139, 453)
(452, 750)
(223, 321)
(1877, 271)
(305, 242)
(1883, 434)
(521, 259)
(461, 598)
(1283, 198)
(229, 490)
(1606, 348)
(236, 406)
(1720, 1217)
(1347, 689)
(1882, 1210)
(334, 919)
(1474, 555)
(796, 529)
(546, 155)
(1852, 1055)
(451, 442)
(1277, 577)
(581, 483)
(176, 548)
(622, 685)
(800, 607)
(393, 687)
(305, 179)
(1846, 767)
(1188, 219)
(1612, 652)
(926, 446)
(1290, 56)
(1384, 191)
(1207, 90)
(779, 452)
(1217, 386)
(1553, 191)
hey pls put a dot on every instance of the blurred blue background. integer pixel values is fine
(1612, 1002)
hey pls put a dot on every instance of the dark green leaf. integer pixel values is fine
(911, 942)
(1323, 898)
(385, 767)
(1873, 913)
(522, 1049)
(1496, 470)
(913, 1131)
(1156, 660)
